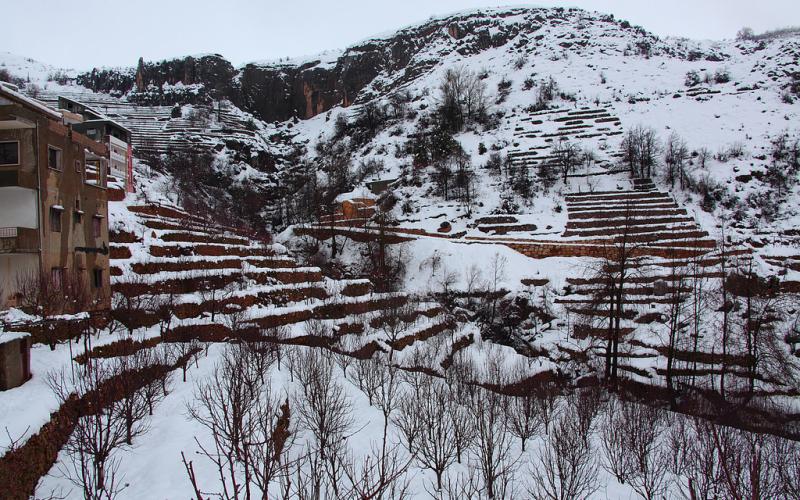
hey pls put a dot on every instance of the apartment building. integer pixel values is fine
(99, 127)
(53, 208)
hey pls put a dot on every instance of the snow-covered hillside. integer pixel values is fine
(484, 210)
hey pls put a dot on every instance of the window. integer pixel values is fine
(78, 213)
(56, 277)
(9, 153)
(55, 218)
(78, 166)
(53, 158)
(97, 225)
(97, 278)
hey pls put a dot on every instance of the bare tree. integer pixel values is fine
(99, 432)
(249, 427)
(380, 474)
(133, 406)
(786, 461)
(567, 158)
(381, 471)
(432, 441)
(649, 457)
(368, 377)
(224, 405)
(179, 350)
(743, 457)
(585, 404)
(462, 98)
(634, 448)
(213, 295)
(566, 467)
(620, 263)
(675, 155)
(463, 485)
(132, 302)
(464, 428)
(276, 337)
(613, 434)
(523, 417)
(492, 450)
(763, 307)
(640, 150)
(496, 275)
(678, 318)
(164, 306)
(325, 410)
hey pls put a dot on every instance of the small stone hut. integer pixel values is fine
(15, 359)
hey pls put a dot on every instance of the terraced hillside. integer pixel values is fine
(155, 130)
(210, 275)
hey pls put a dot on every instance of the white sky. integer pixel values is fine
(85, 33)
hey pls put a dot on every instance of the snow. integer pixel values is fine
(326, 59)
(7, 337)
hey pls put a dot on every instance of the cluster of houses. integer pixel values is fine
(57, 168)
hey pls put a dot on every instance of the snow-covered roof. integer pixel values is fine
(9, 92)
(359, 192)
(6, 337)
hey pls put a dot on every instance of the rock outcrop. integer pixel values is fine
(279, 91)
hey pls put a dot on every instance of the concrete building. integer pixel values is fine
(99, 127)
(53, 204)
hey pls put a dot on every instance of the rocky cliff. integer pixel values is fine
(279, 91)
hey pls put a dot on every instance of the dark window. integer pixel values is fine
(56, 277)
(9, 177)
(55, 219)
(54, 158)
(97, 278)
(9, 153)
(97, 224)
(77, 166)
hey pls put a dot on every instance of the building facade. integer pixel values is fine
(53, 209)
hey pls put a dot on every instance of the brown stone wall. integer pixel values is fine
(15, 362)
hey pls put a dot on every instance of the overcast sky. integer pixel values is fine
(82, 34)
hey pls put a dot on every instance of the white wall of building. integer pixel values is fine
(18, 207)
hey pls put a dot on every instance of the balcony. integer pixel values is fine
(19, 240)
